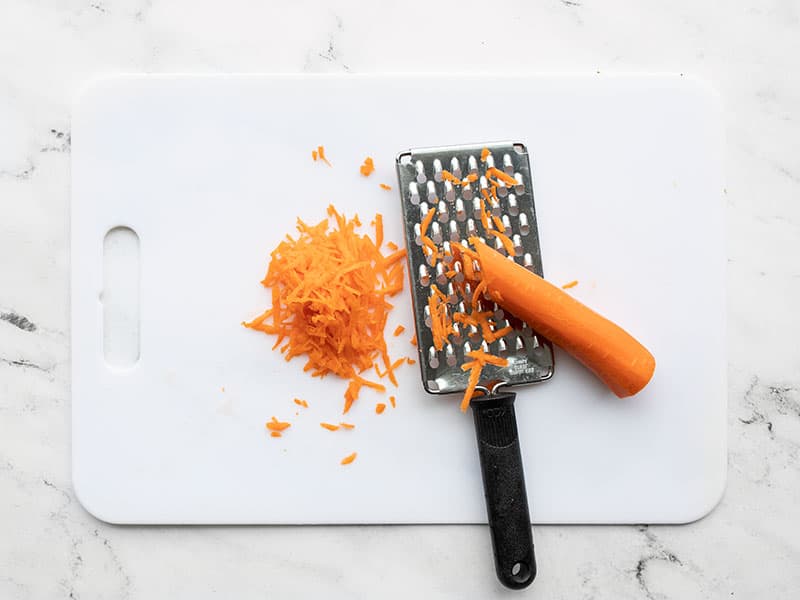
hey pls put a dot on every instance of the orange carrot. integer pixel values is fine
(411, 361)
(329, 289)
(314, 154)
(347, 425)
(275, 434)
(398, 330)
(368, 167)
(380, 407)
(426, 221)
(321, 154)
(602, 346)
(391, 246)
(484, 154)
(349, 458)
(571, 284)
(300, 402)
(413, 340)
(501, 175)
(393, 401)
(385, 187)
(275, 425)
(329, 427)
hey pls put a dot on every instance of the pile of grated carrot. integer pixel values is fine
(329, 288)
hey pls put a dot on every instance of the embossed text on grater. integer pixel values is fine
(438, 178)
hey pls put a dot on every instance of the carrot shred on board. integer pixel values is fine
(349, 458)
(571, 284)
(300, 402)
(330, 287)
(393, 401)
(398, 330)
(321, 154)
(391, 246)
(314, 154)
(385, 187)
(368, 167)
(484, 154)
(380, 407)
(329, 426)
(275, 425)
(347, 425)
(275, 434)
(413, 340)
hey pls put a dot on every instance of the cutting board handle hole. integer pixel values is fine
(120, 298)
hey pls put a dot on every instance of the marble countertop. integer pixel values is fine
(748, 547)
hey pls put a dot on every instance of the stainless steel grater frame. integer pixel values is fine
(422, 186)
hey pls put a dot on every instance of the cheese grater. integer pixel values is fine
(473, 189)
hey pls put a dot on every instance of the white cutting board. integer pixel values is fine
(628, 188)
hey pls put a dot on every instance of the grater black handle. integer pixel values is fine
(504, 489)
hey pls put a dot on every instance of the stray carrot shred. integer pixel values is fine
(571, 284)
(385, 187)
(275, 425)
(484, 154)
(502, 176)
(275, 434)
(413, 340)
(347, 425)
(329, 426)
(349, 458)
(314, 154)
(507, 243)
(380, 407)
(300, 402)
(321, 154)
(368, 167)
(391, 246)
(411, 361)
(398, 330)
(393, 401)
(329, 289)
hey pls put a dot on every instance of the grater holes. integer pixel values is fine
(431, 192)
(513, 205)
(437, 170)
(508, 165)
(436, 232)
(442, 213)
(419, 167)
(424, 276)
(461, 213)
(450, 355)
(502, 190)
(417, 234)
(524, 226)
(413, 193)
(519, 188)
(433, 358)
(449, 192)
(472, 165)
(467, 192)
(516, 239)
(455, 167)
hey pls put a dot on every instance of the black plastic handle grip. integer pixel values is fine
(504, 488)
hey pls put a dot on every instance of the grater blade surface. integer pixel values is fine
(452, 180)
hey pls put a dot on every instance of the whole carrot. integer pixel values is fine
(623, 364)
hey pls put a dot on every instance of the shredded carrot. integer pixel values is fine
(329, 426)
(501, 175)
(321, 154)
(275, 434)
(275, 425)
(470, 178)
(329, 289)
(448, 176)
(393, 401)
(349, 458)
(484, 154)
(413, 340)
(426, 221)
(314, 154)
(368, 167)
(411, 361)
(347, 425)
(385, 187)
(498, 223)
(380, 407)
(300, 402)
(571, 284)
(398, 330)
(507, 243)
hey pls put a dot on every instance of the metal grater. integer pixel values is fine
(457, 217)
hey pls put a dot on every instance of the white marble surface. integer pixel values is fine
(749, 547)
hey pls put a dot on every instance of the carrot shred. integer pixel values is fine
(275, 425)
(380, 407)
(391, 246)
(393, 401)
(321, 154)
(470, 178)
(413, 340)
(314, 154)
(571, 284)
(498, 223)
(300, 402)
(385, 187)
(275, 434)
(399, 330)
(507, 243)
(502, 176)
(411, 361)
(329, 426)
(330, 287)
(426, 221)
(347, 425)
(368, 167)
(349, 458)
(484, 154)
